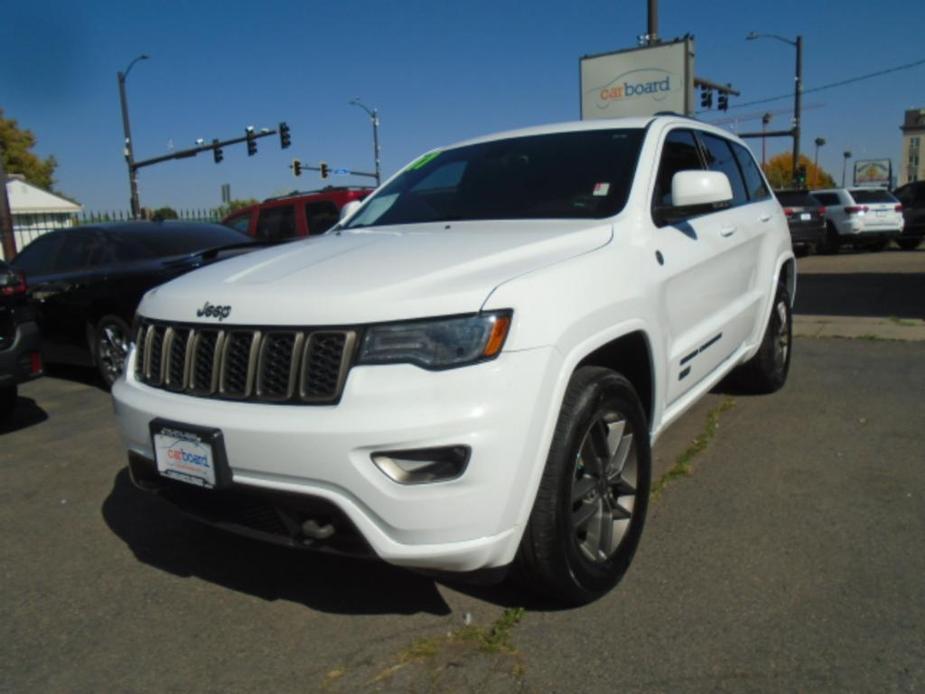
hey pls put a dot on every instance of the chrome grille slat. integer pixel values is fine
(244, 363)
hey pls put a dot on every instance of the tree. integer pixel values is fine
(779, 170)
(235, 205)
(16, 145)
(162, 213)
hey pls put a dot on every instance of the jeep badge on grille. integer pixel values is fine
(211, 311)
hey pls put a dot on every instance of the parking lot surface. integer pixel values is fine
(790, 559)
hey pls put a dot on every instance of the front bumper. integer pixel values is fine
(322, 453)
(20, 357)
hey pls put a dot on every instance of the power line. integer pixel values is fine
(831, 85)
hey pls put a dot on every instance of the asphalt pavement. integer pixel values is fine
(790, 559)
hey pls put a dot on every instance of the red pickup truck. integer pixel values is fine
(294, 215)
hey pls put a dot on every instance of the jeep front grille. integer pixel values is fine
(244, 363)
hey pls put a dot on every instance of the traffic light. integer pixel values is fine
(801, 176)
(251, 142)
(284, 139)
(296, 167)
(722, 101)
(325, 171)
(217, 151)
(706, 98)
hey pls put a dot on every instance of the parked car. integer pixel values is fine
(294, 215)
(469, 373)
(87, 282)
(805, 217)
(868, 217)
(912, 197)
(20, 357)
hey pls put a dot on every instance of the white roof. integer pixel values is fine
(26, 198)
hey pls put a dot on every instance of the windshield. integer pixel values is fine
(573, 175)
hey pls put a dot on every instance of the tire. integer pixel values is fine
(111, 343)
(8, 395)
(831, 242)
(585, 526)
(767, 371)
(908, 244)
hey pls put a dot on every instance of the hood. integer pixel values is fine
(374, 274)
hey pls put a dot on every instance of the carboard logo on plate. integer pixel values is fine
(212, 311)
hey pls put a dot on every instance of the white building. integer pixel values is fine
(912, 167)
(36, 211)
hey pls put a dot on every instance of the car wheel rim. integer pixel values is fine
(603, 491)
(782, 336)
(113, 350)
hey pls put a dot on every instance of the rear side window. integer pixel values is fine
(276, 223)
(720, 158)
(241, 223)
(679, 153)
(754, 181)
(320, 216)
(827, 199)
(868, 196)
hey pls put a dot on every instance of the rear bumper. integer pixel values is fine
(805, 235)
(20, 360)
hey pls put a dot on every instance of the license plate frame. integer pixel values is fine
(805, 216)
(190, 453)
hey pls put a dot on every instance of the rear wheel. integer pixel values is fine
(767, 371)
(831, 242)
(111, 345)
(589, 511)
(908, 244)
(8, 395)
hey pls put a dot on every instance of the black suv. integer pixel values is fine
(20, 358)
(912, 196)
(805, 217)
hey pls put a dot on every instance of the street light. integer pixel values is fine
(765, 119)
(129, 153)
(374, 117)
(797, 90)
(844, 166)
(820, 141)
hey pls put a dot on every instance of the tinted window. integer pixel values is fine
(795, 198)
(38, 256)
(679, 153)
(165, 240)
(866, 196)
(320, 216)
(241, 223)
(829, 199)
(720, 158)
(276, 223)
(754, 181)
(573, 175)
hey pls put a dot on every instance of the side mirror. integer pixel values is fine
(699, 188)
(693, 193)
(347, 210)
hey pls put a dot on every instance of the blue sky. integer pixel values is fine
(437, 71)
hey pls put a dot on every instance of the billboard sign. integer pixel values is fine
(873, 172)
(638, 81)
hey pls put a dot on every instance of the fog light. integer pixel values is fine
(423, 464)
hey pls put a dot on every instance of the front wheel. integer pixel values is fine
(767, 371)
(111, 347)
(591, 505)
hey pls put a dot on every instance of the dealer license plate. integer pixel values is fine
(805, 216)
(190, 454)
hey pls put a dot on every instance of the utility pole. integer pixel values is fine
(844, 166)
(797, 98)
(6, 218)
(820, 141)
(652, 26)
(374, 117)
(765, 119)
(129, 152)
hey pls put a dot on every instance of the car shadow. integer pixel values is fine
(877, 294)
(87, 375)
(26, 414)
(162, 537)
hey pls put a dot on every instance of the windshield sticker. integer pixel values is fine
(423, 161)
(601, 190)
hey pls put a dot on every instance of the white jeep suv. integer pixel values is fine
(869, 217)
(467, 373)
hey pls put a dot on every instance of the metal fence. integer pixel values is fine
(28, 227)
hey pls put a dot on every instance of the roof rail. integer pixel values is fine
(326, 189)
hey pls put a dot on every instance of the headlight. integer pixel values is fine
(441, 343)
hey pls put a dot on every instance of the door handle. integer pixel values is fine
(727, 231)
(765, 218)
